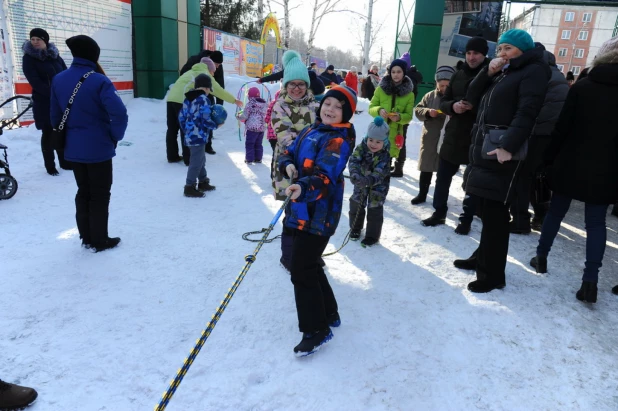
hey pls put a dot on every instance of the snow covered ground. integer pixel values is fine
(108, 331)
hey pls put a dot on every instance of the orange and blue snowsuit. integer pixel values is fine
(320, 154)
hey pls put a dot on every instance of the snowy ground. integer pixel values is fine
(108, 331)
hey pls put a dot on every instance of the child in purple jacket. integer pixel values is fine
(254, 115)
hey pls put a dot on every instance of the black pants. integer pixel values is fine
(48, 151)
(375, 219)
(94, 184)
(494, 246)
(314, 296)
(525, 190)
(171, 137)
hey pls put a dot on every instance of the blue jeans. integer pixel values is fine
(596, 233)
(197, 165)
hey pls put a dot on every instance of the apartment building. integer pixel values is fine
(573, 33)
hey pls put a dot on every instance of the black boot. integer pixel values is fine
(587, 293)
(15, 397)
(312, 342)
(467, 264)
(375, 219)
(615, 290)
(484, 286)
(355, 235)
(205, 186)
(434, 220)
(537, 223)
(398, 171)
(424, 183)
(191, 191)
(463, 228)
(539, 263)
(106, 244)
(369, 241)
(333, 320)
(48, 152)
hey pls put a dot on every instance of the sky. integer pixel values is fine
(346, 26)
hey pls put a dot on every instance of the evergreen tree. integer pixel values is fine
(232, 16)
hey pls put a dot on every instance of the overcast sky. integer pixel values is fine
(343, 29)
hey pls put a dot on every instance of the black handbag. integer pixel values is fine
(493, 140)
(58, 134)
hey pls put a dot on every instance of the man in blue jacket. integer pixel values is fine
(96, 123)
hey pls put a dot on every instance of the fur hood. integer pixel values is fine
(406, 87)
(606, 58)
(50, 53)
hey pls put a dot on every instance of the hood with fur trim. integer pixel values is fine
(406, 87)
(604, 69)
(50, 53)
(606, 58)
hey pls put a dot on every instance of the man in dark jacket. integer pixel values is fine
(526, 191)
(416, 77)
(40, 64)
(457, 139)
(329, 76)
(217, 57)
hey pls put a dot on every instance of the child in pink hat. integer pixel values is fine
(254, 115)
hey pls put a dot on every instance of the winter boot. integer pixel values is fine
(537, 223)
(369, 241)
(176, 159)
(107, 244)
(463, 228)
(333, 320)
(615, 290)
(539, 263)
(52, 170)
(434, 220)
(424, 183)
(519, 228)
(15, 397)
(204, 186)
(484, 286)
(312, 342)
(355, 235)
(467, 264)
(587, 293)
(191, 191)
(398, 171)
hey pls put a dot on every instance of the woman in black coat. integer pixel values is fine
(509, 94)
(582, 161)
(41, 62)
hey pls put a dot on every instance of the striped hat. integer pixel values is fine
(347, 96)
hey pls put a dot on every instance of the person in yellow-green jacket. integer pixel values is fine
(393, 100)
(176, 97)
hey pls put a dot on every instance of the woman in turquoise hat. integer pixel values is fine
(509, 94)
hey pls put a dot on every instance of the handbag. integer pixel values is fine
(493, 140)
(58, 134)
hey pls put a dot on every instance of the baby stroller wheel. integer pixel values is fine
(8, 186)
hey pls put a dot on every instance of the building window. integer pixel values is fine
(575, 70)
(583, 35)
(587, 17)
(579, 53)
(569, 16)
(560, 67)
(563, 52)
(566, 34)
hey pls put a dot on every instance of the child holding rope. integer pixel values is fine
(370, 173)
(315, 162)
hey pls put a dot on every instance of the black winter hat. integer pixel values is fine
(330, 67)
(203, 80)
(84, 47)
(40, 33)
(478, 44)
(398, 63)
(217, 57)
(315, 84)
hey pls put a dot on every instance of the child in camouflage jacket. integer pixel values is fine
(370, 173)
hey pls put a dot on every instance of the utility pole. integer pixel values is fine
(367, 39)
(380, 59)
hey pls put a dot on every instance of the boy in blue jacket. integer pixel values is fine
(370, 173)
(196, 122)
(316, 160)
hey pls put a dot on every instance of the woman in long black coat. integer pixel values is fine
(582, 164)
(509, 94)
(40, 64)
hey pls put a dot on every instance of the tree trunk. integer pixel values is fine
(312, 30)
(286, 24)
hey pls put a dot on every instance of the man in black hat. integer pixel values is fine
(329, 77)
(457, 135)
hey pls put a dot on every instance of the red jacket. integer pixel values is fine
(351, 80)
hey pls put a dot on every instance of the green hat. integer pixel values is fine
(518, 38)
(294, 68)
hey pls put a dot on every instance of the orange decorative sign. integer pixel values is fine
(271, 23)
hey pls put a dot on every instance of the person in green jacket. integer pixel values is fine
(393, 100)
(176, 97)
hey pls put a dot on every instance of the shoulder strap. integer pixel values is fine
(75, 90)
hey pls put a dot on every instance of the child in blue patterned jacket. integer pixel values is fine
(315, 161)
(195, 123)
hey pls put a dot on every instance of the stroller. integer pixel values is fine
(8, 184)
